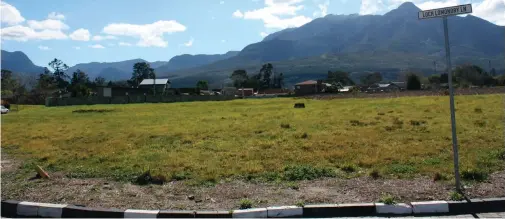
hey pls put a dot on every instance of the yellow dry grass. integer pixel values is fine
(216, 140)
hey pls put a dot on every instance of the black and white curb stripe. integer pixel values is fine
(32, 209)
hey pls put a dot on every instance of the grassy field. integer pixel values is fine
(259, 139)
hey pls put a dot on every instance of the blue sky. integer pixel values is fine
(81, 31)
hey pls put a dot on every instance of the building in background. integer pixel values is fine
(161, 85)
(309, 87)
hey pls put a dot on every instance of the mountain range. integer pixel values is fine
(390, 43)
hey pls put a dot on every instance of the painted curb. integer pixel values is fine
(12, 209)
(134, 213)
(396, 209)
(250, 213)
(284, 211)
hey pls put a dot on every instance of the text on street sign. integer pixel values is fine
(449, 11)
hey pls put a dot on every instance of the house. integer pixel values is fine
(345, 89)
(161, 84)
(401, 85)
(245, 92)
(378, 87)
(309, 87)
(229, 91)
(116, 91)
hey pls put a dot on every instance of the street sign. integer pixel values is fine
(444, 12)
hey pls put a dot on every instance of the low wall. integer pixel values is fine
(70, 101)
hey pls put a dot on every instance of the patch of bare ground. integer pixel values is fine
(227, 195)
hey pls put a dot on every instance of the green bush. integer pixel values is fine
(475, 175)
(374, 174)
(348, 168)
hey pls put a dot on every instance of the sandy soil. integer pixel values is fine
(227, 195)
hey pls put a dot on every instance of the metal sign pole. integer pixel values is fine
(451, 100)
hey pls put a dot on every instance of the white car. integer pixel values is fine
(4, 110)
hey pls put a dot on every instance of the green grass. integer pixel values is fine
(209, 141)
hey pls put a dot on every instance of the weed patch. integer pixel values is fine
(357, 123)
(402, 169)
(474, 175)
(348, 168)
(245, 204)
(306, 172)
(285, 126)
(146, 178)
(478, 110)
(387, 199)
(456, 196)
(375, 174)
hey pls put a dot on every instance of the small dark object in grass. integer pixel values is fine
(480, 123)
(258, 132)
(304, 135)
(381, 114)
(93, 111)
(357, 123)
(146, 178)
(391, 111)
(478, 110)
(475, 175)
(299, 105)
(375, 174)
(285, 126)
(348, 168)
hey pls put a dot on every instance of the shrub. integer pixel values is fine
(305, 172)
(374, 174)
(380, 114)
(180, 176)
(413, 82)
(479, 123)
(146, 178)
(478, 110)
(304, 135)
(387, 199)
(475, 175)
(456, 196)
(357, 123)
(245, 204)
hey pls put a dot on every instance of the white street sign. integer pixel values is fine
(444, 12)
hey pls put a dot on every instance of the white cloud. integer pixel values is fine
(80, 35)
(263, 34)
(491, 10)
(56, 16)
(221, 2)
(323, 9)
(44, 48)
(223, 41)
(77, 47)
(111, 44)
(97, 46)
(48, 24)
(189, 43)
(22, 33)
(149, 34)
(124, 44)
(238, 14)
(100, 38)
(278, 14)
(9, 14)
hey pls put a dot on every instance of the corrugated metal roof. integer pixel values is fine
(154, 81)
(309, 82)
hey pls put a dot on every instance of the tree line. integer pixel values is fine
(54, 81)
(266, 78)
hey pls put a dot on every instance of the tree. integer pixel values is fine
(79, 84)
(340, 77)
(413, 82)
(99, 81)
(239, 77)
(110, 84)
(141, 71)
(202, 85)
(372, 78)
(434, 79)
(60, 76)
(266, 73)
(9, 83)
(444, 78)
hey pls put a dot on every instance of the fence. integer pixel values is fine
(69, 101)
